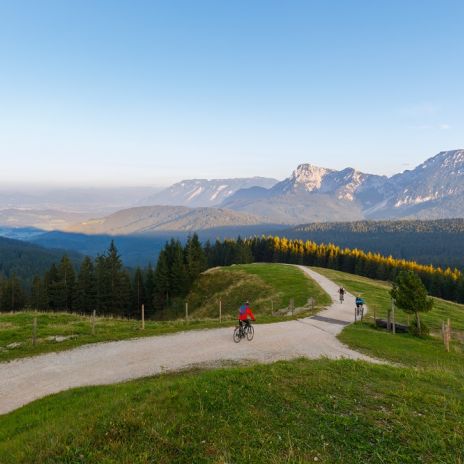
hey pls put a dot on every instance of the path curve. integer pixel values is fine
(24, 380)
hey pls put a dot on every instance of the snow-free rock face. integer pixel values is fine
(307, 177)
(204, 192)
(344, 184)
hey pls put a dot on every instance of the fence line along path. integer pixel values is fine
(24, 380)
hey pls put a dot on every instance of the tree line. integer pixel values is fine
(104, 284)
(438, 242)
(443, 283)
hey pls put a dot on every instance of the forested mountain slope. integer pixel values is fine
(26, 260)
(439, 242)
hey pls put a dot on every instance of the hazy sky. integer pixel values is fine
(142, 92)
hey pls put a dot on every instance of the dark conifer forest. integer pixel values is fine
(438, 242)
(105, 285)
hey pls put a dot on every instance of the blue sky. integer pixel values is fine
(142, 93)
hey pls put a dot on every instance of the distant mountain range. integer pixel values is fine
(205, 192)
(149, 220)
(97, 200)
(433, 190)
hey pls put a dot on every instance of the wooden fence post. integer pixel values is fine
(93, 321)
(143, 317)
(34, 331)
(393, 317)
(220, 310)
(292, 305)
(186, 310)
(389, 320)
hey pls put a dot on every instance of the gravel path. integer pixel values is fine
(25, 380)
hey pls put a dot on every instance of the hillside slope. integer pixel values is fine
(26, 260)
(268, 287)
(152, 219)
(437, 242)
(204, 192)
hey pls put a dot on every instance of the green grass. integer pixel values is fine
(258, 283)
(378, 299)
(17, 328)
(266, 286)
(296, 412)
(406, 349)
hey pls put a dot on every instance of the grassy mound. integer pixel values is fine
(299, 411)
(266, 286)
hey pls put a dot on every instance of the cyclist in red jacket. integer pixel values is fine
(244, 313)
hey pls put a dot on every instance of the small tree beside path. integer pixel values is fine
(410, 295)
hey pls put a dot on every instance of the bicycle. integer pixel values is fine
(242, 331)
(342, 297)
(359, 313)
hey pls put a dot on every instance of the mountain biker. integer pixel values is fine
(341, 292)
(359, 302)
(244, 313)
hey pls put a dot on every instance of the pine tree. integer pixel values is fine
(86, 291)
(114, 267)
(39, 299)
(460, 290)
(138, 292)
(161, 282)
(12, 295)
(196, 260)
(102, 285)
(113, 283)
(241, 253)
(123, 294)
(52, 288)
(410, 295)
(178, 275)
(66, 284)
(149, 284)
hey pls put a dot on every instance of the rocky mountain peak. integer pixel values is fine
(308, 176)
(444, 161)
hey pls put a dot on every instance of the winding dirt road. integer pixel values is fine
(25, 380)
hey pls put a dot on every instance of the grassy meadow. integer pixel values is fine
(287, 412)
(300, 411)
(260, 284)
(377, 297)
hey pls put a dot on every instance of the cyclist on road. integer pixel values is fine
(341, 292)
(244, 314)
(359, 302)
